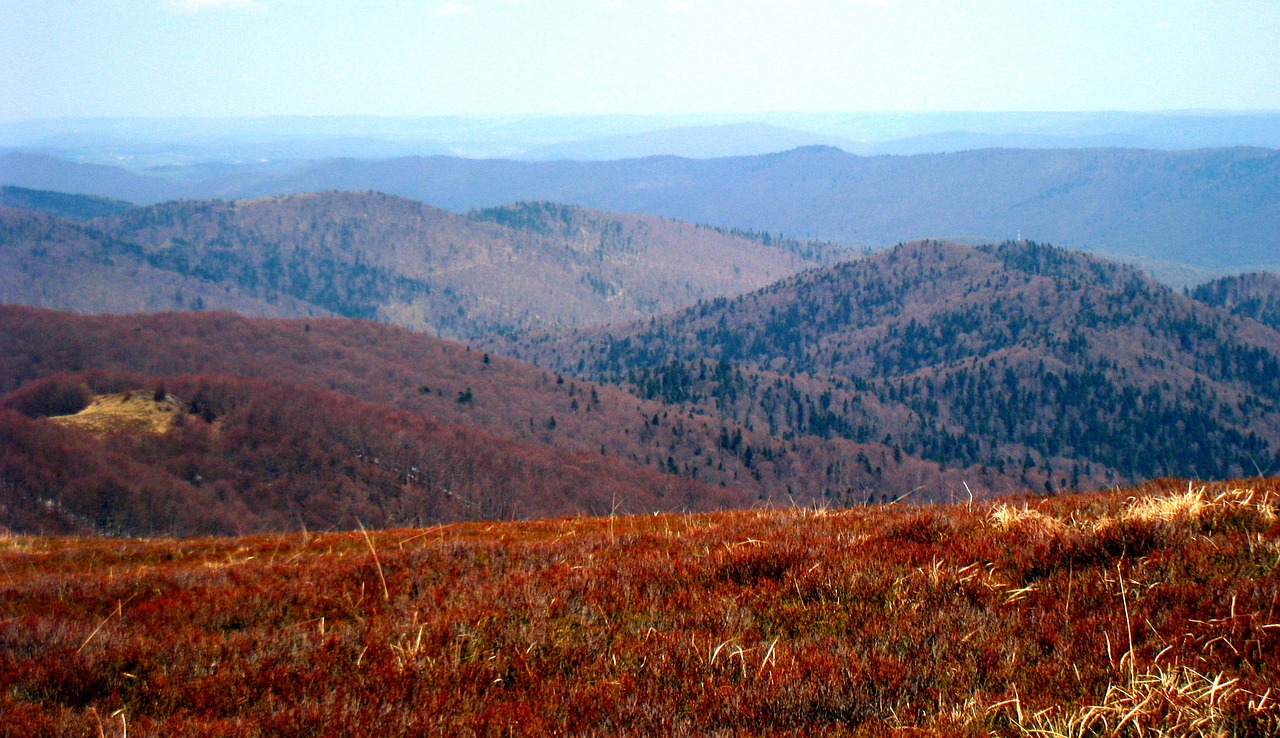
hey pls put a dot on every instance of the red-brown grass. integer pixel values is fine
(1123, 613)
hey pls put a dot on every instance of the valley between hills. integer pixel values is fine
(668, 366)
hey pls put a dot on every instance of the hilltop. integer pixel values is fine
(1051, 366)
(372, 256)
(1133, 612)
(932, 371)
(51, 261)
(75, 207)
(1195, 214)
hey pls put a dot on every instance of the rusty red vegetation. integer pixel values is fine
(1031, 615)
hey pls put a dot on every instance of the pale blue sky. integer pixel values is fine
(521, 57)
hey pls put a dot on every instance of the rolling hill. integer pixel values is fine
(1213, 209)
(397, 371)
(75, 207)
(1016, 357)
(693, 142)
(207, 454)
(37, 171)
(1209, 208)
(50, 261)
(1255, 296)
(366, 255)
(931, 371)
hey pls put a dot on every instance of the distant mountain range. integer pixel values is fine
(367, 255)
(1186, 215)
(620, 358)
(150, 143)
(693, 142)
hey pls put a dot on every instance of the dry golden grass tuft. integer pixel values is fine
(124, 412)
(1008, 517)
(1201, 506)
(1162, 703)
(1199, 509)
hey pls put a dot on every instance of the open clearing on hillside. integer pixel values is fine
(124, 413)
(1152, 611)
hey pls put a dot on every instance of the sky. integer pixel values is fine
(216, 58)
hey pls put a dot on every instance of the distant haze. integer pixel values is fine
(198, 148)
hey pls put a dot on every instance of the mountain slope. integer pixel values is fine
(75, 207)
(1255, 296)
(236, 456)
(1210, 208)
(53, 262)
(456, 386)
(1013, 357)
(366, 255)
(43, 172)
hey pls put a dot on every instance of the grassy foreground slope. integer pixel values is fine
(1140, 612)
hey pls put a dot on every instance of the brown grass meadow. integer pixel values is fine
(1149, 611)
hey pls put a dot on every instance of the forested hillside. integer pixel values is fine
(231, 456)
(1255, 295)
(376, 257)
(75, 207)
(54, 262)
(1020, 358)
(932, 370)
(1211, 209)
(397, 371)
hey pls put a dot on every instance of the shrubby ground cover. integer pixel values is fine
(1145, 611)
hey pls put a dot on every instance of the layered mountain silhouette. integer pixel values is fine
(1213, 209)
